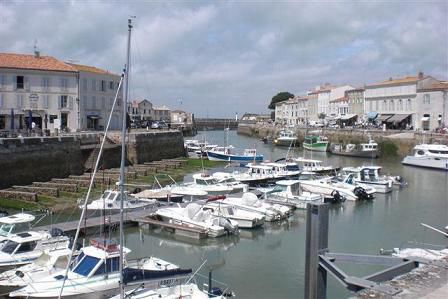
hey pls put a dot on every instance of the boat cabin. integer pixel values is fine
(204, 179)
(367, 147)
(290, 187)
(364, 173)
(27, 242)
(15, 223)
(251, 152)
(436, 150)
(309, 164)
(260, 170)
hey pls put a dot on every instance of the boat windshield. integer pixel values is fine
(86, 265)
(112, 265)
(9, 247)
(7, 229)
(105, 195)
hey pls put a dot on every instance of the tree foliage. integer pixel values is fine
(280, 97)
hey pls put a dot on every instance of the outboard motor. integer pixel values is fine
(362, 194)
(336, 197)
(56, 232)
(228, 226)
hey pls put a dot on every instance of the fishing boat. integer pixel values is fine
(244, 217)
(230, 181)
(110, 200)
(12, 224)
(286, 138)
(434, 156)
(96, 274)
(227, 154)
(207, 183)
(362, 150)
(48, 263)
(23, 248)
(283, 170)
(370, 176)
(254, 176)
(313, 165)
(344, 187)
(193, 215)
(316, 143)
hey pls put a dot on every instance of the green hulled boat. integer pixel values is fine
(316, 143)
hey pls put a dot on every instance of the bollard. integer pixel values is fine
(316, 243)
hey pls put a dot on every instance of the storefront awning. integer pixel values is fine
(384, 117)
(425, 118)
(93, 116)
(398, 118)
(348, 116)
(372, 115)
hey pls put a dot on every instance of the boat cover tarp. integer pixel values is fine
(131, 275)
(384, 117)
(348, 116)
(398, 118)
(372, 115)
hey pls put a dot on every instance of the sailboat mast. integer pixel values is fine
(123, 155)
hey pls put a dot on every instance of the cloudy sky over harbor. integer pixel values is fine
(215, 58)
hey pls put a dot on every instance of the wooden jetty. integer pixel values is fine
(180, 230)
(111, 221)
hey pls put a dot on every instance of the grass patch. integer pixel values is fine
(19, 204)
(388, 149)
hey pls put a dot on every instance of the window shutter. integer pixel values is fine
(14, 79)
(26, 83)
(2, 80)
(45, 104)
(1, 100)
(59, 102)
(70, 103)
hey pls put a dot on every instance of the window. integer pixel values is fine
(19, 101)
(45, 103)
(2, 80)
(26, 247)
(86, 265)
(84, 84)
(93, 101)
(111, 101)
(52, 118)
(9, 247)
(64, 83)
(45, 83)
(103, 85)
(111, 85)
(20, 82)
(426, 99)
(63, 101)
(93, 85)
(2, 122)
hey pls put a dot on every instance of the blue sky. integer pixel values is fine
(222, 57)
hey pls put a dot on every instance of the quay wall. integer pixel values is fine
(39, 159)
(391, 142)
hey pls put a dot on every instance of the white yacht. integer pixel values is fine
(314, 166)
(370, 176)
(13, 224)
(230, 181)
(250, 202)
(49, 262)
(244, 217)
(95, 273)
(289, 192)
(335, 187)
(255, 175)
(23, 248)
(283, 170)
(363, 150)
(193, 215)
(110, 200)
(286, 138)
(209, 184)
(433, 156)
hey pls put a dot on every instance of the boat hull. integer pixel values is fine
(286, 142)
(426, 162)
(213, 156)
(358, 154)
(316, 147)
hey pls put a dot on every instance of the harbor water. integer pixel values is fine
(270, 262)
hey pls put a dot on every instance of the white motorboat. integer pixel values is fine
(244, 217)
(159, 194)
(286, 138)
(363, 150)
(370, 176)
(314, 166)
(49, 262)
(290, 193)
(10, 225)
(23, 248)
(230, 181)
(335, 187)
(209, 184)
(283, 170)
(255, 175)
(433, 156)
(227, 154)
(250, 202)
(193, 215)
(111, 201)
(96, 274)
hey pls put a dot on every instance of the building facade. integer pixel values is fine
(37, 92)
(162, 113)
(432, 106)
(181, 118)
(355, 99)
(394, 100)
(97, 90)
(311, 104)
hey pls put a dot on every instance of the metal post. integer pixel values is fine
(316, 243)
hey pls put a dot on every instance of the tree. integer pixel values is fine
(280, 97)
(321, 115)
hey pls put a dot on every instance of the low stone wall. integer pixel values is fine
(18, 195)
(388, 141)
(38, 190)
(61, 187)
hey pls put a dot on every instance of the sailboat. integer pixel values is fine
(102, 268)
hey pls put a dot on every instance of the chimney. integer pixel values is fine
(37, 54)
(420, 75)
(390, 79)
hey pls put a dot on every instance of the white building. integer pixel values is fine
(97, 90)
(181, 118)
(286, 112)
(394, 100)
(432, 106)
(161, 113)
(37, 89)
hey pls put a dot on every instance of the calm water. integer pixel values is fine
(269, 263)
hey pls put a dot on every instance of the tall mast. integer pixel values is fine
(123, 155)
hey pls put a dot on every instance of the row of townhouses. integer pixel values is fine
(145, 110)
(44, 93)
(418, 102)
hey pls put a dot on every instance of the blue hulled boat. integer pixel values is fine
(226, 154)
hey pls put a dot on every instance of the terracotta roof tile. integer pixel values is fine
(90, 69)
(404, 80)
(436, 86)
(30, 62)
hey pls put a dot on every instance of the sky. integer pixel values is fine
(218, 58)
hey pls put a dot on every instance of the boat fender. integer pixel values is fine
(136, 190)
(20, 274)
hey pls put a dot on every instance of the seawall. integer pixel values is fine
(391, 142)
(39, 159)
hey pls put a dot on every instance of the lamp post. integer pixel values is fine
(79, 114)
